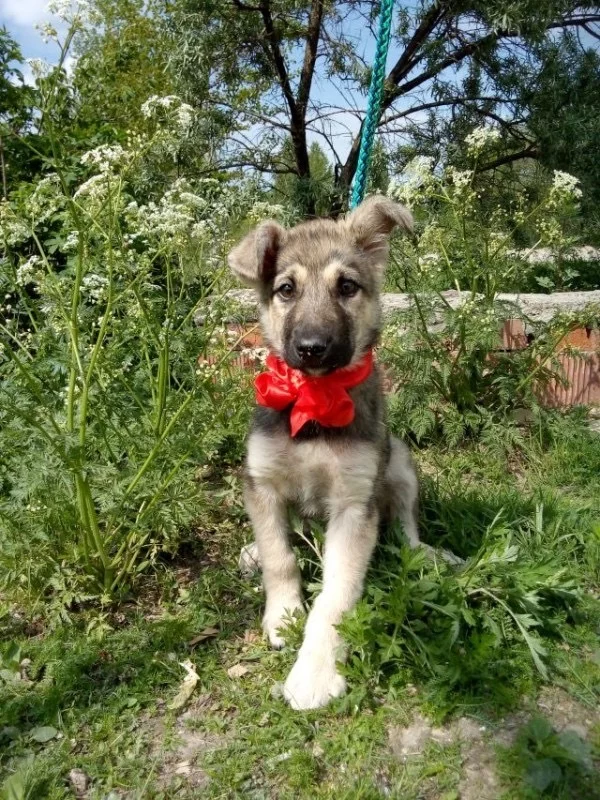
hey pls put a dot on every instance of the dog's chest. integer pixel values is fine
(318, 476)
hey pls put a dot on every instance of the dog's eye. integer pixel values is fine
(347, 288)
(286, 290)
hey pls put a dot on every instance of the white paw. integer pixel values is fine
(312, 683)
(249, 560)
(277, 616)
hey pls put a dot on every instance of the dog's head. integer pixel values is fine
(319, 283)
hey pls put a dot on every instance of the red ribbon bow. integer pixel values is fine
(322, 398)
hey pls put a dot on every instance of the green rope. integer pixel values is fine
(374, 102)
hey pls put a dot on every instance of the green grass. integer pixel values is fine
(103, 680)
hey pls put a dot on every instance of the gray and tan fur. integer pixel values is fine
(319, 287)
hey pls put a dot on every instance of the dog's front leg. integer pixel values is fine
(349, 542)
(281, 576)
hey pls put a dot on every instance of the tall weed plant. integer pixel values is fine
(446, 349)
(105, 415)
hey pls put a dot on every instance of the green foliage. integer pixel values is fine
(292, 191)
(445, 351)
(104, 415)
(16, 116)
(123, 60)
(550, 759)
(562, 100)
(461, 626)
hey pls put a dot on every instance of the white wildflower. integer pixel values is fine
(60, 8)
(416, 179)
(566, 185)
(46, 198)
(262, 210)
(179, 114)
(75, 12)
(71, 242)
(106, 157)
(47, 32)
(94, 287)
(460, 179)
(201, 230)
(28, 272)
(429, 263)
(185, 117)
(14, 229)
(481, 138)
(94, 188)
(39, 68)
(155, 103)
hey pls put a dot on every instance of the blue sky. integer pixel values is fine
(20, 16)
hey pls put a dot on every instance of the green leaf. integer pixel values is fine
(13, 788)
(13, 655)
(539, 729)
(468, 616)
(541, 774)
(43, 734)
(536, 648)
(575, 748)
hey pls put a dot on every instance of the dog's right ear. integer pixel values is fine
(255, 257)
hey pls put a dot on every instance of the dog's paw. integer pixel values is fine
(249, 560)
(312, 684)
(277, 616)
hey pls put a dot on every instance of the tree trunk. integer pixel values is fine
(306, 196)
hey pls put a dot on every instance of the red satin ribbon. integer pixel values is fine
(322, 398)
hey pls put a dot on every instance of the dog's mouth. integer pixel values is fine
(316, 367)
(336, 356)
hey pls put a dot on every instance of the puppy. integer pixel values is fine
(319, 440)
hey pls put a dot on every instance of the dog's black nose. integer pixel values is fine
(312, 348)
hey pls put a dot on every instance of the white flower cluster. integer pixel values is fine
(28, 271)
(460, 178)
(185, 117)
(430, 263)
(71, 243)
(13, 229)
(39, 67)
(481, 138)
(414, 182)
(180, 211)
(106, 157)
(47, 32)
(95, 188)
(566, 185)
(46, 199)
(75, 12)
(201, 230)
(262, 210)
(94, 287)
(182, 113)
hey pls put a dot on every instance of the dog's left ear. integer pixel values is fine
(371, 223)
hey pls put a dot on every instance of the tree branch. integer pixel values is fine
(529, 152)
(271, 169)
(404, 64)
(310, 55)
(278, 61)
